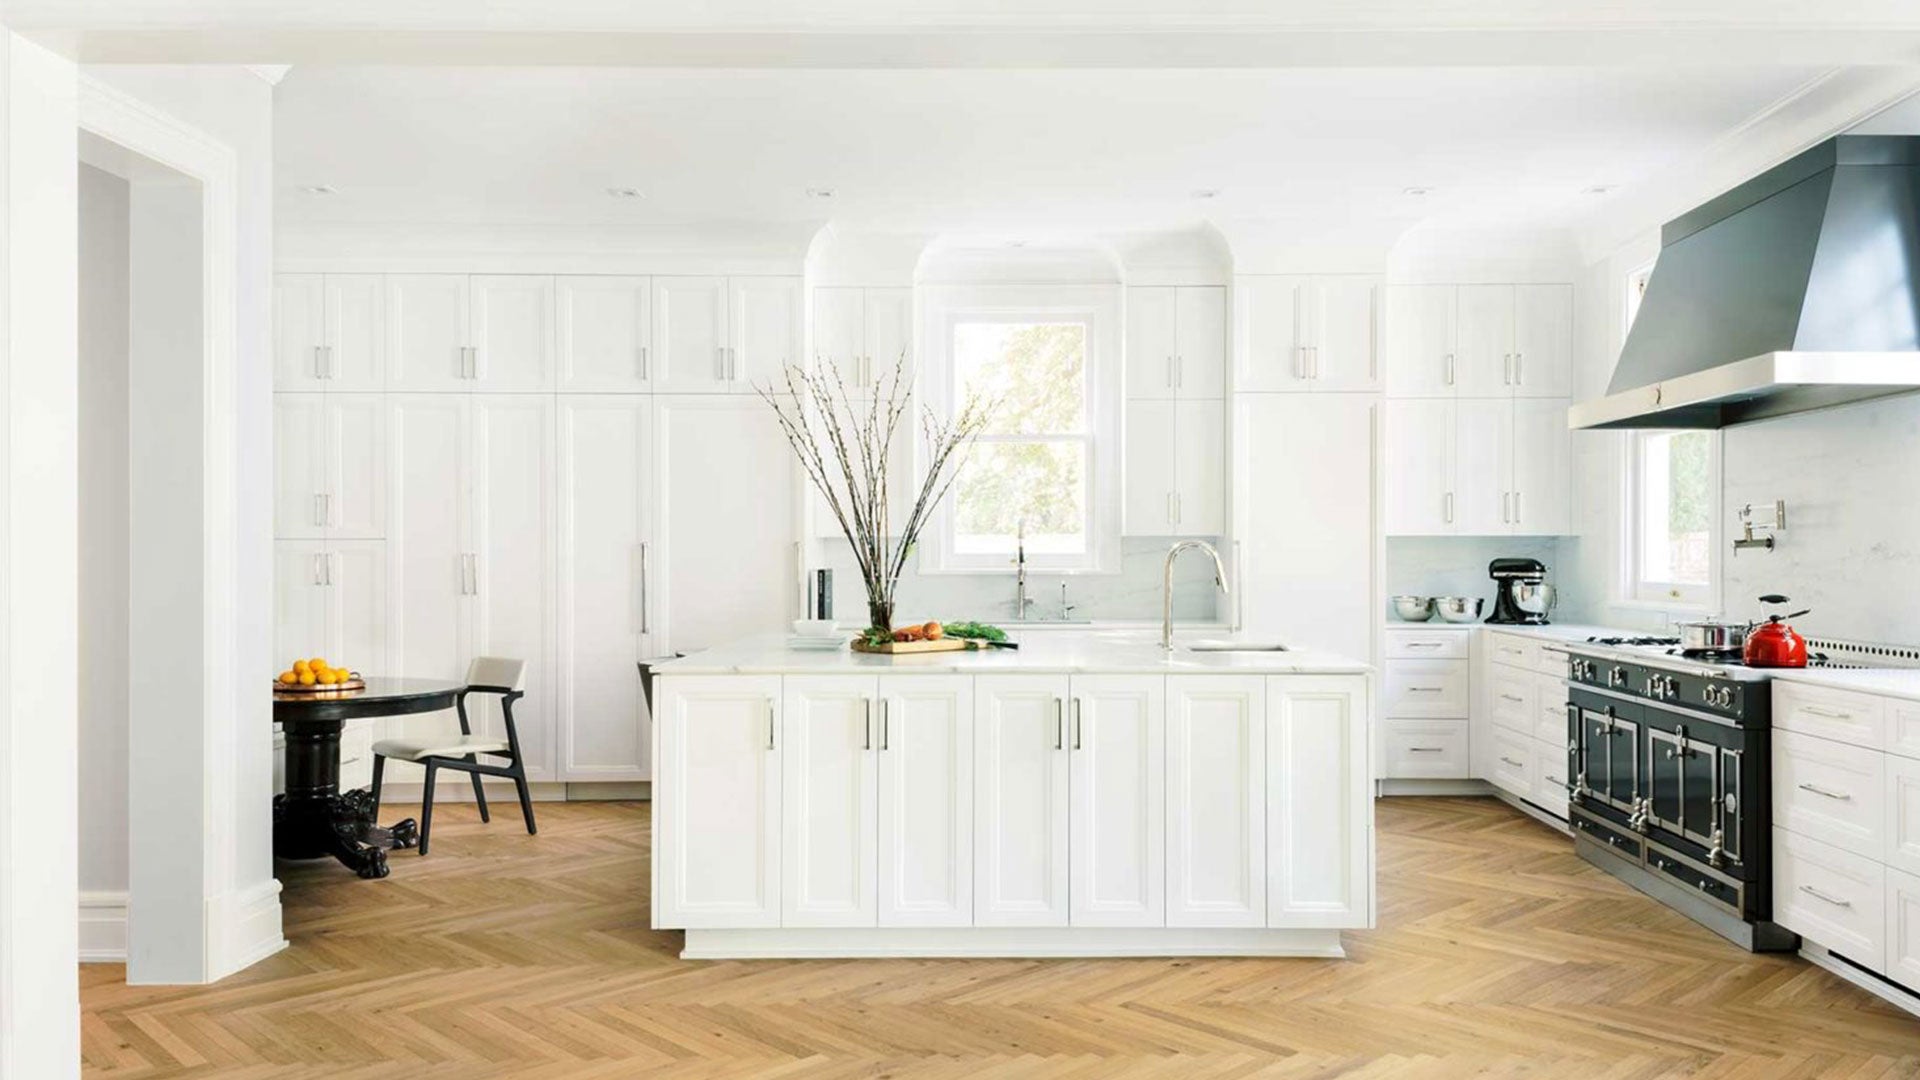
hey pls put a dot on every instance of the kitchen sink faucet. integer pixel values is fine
(1166, 589)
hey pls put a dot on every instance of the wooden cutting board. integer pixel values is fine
(904, 647)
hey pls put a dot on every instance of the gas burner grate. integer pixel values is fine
(1633, 641)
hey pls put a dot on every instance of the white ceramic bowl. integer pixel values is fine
(821, 628)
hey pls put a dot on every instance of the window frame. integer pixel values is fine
(1098, 308)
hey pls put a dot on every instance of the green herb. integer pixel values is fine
(981, 631)
(874, 636)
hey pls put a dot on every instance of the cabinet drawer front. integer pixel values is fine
(1513, 650)
(1550, 775)
(1427, 688)
(1903, 928)
(1830, 792)
(1551, 660)
(1428, 644)
(1550, 714)
(1509, 763)
(1513, 699)
(1426, 750)
(1903, 728)
(1830, 896)
(1845, 717)
(1903, 814)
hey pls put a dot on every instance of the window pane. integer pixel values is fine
(1004, 484)
(1675, 508)
(1037, 371)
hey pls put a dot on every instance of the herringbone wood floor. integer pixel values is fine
(1498, 954)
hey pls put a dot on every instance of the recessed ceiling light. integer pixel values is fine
(1205, 193)
(819, 193)
(316, 189)
(626, 193)
(1416, 191)
(1597, 189)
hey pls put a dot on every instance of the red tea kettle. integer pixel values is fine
(1773, 643)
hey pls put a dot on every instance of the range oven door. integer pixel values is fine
(1693, 786)
(1605, 759)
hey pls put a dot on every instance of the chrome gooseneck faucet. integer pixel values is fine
(1166, 590)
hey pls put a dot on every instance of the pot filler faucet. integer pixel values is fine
(1166, 589)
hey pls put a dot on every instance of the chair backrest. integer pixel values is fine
(497, 671)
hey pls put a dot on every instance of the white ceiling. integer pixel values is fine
(1001, 152)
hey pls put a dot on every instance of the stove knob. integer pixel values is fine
(1617, 677)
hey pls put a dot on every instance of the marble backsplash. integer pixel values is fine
(1133, 594)
(1457, 565)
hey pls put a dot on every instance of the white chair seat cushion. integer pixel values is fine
(426, 746)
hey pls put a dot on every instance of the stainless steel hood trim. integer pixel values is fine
(1771, 384)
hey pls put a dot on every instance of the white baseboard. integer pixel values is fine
(1544, 817)
(103, 927)
(611, 791)
(244, 928)
(1434, 787)
(454, 787)
(988, 941)
(1892, 992)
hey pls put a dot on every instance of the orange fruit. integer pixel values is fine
(288, 678)
(306, 678)
(301, 667)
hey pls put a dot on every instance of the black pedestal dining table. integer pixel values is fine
(315, 819)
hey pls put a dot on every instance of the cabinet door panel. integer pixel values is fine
(512, 332)
(1483, 467)
(1903, 927)
(602, 501)
(1020, 801)
(1418, 443)
(356, 482)
(1117, 749)
(1152, 342)
(604, 323)
(1542, 467)
(300, 602)
(1216, 800)
(766, 332)
(357, 606)
(1319, 803)
(717, 831)
(839, 333)
(1270, 313)
(512, 554)
(1200, 346)
(1483, 341)
(299, 466)
(1418, 341)
(1902, 829)
(1543, 340)
(356, 335)
(1346, 333)
(888, 316)
(689, 334)
(1200, 467)
(926, 800)
(427, 321)
(1150, 480)
(828, 789)
(299, 332)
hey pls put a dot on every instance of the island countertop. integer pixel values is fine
(1093, 652)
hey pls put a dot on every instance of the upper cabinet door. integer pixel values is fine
(1484, 341)
(1216, 800)
(604, 323)
(1270, 345)
(299, 466)
(828, 784)
(427, 344)
(889, 335)
(1200, 467)
(1418, 473)
(1542, 467)
(1418, 338)
(356, 337)
(839, 335)
(1200, 347)
(1152, 342)
(1483, 467)
(1543, 340)
(299, 332)
(690, 334)
(1346, 320)
(512, 333)
(926, 800)
(1020, 801)
(767, 331)
(1319, 803)
(356, 470)
(1116, 741)
(1147, 506)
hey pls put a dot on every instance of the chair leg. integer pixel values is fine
(526, 800)
(379, 770)
(479, 793)
(426, 807)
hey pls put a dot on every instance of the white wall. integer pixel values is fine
(103, 538)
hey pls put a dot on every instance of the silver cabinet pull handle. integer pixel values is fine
(1510, 761)
(332, 371)
(1314, 350)
(1516, 508)
(1170, 382)
(1424, 644)
(1449, 368)
(1815, 710)
(317, 580)
(884, 714)
(1449, 507)
(1519, 369)
(1818, 895)
(646, 617)
(1170, 517)
(646, 372)
(319, 511)
(319, 371)
(733, 364)
(1059, 741)
(769, 723)
(1510, 697)
(1426, 750)
(1179, 372)
(1838, 796)
(1077, 722)
(1176, 508)
(720, 361)
(1425, 689)
(868, 745)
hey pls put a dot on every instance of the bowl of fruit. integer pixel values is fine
(316, 676)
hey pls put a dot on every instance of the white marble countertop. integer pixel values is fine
(1102, 651)
(1561, 632)
(1887, 682)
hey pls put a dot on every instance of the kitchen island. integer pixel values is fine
(1086, 795)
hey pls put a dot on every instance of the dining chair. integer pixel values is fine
(486, 675)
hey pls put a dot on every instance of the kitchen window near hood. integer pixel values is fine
(1671, 516)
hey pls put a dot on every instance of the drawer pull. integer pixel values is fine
(1824, 793)
(1425, 644)
(1515, 764)
(1426, 689)
(1815, 710)
(1510, 697)
(1426, 750)
(1818, 895)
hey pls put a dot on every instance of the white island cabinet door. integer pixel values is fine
(1216, 800)
(926, 800)
(717, 802)
(1319, 803)
(1116, 735)
(1020, 801)
(828, 793)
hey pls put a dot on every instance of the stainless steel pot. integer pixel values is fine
(1712, 635)
(1532, 597)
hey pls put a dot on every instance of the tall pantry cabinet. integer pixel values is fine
(473, 465)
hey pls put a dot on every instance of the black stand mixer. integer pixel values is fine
(1521, 595)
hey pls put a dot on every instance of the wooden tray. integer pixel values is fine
(905, 647)
(355, 683)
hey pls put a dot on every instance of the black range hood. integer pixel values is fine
(1797, 290)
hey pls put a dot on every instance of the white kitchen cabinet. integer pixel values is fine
(1153, 339)
(723, 335)
(1483, 467)
(1418, 466)
(1903, 928)
(926, 809)
(1479, 340)
(830, 789)
(1151, 443)
(511, 525)
(717, 825)
(511, 332)
(1175, 468)
(887, 316)
(1477, 467)
(764, 332)
(1902, 830)
(330, 601)
(329, 332)
(1319, 829)
(1425, 750)
(428, 344)
(1483, 341)
(1307, 459)
(605, 326)
(1217, 773)
(1020, 801)
(1416, 689)
(1834, 897)
(863, 333)
(1118, 769)
(329, 465)
(725, 523)
(1418, 339)
(604, 505)
(1542, 468)
(456, 333)
(1176, 342)
(1506, 761)
(1300, 332)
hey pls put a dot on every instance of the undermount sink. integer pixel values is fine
(1235, 646)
